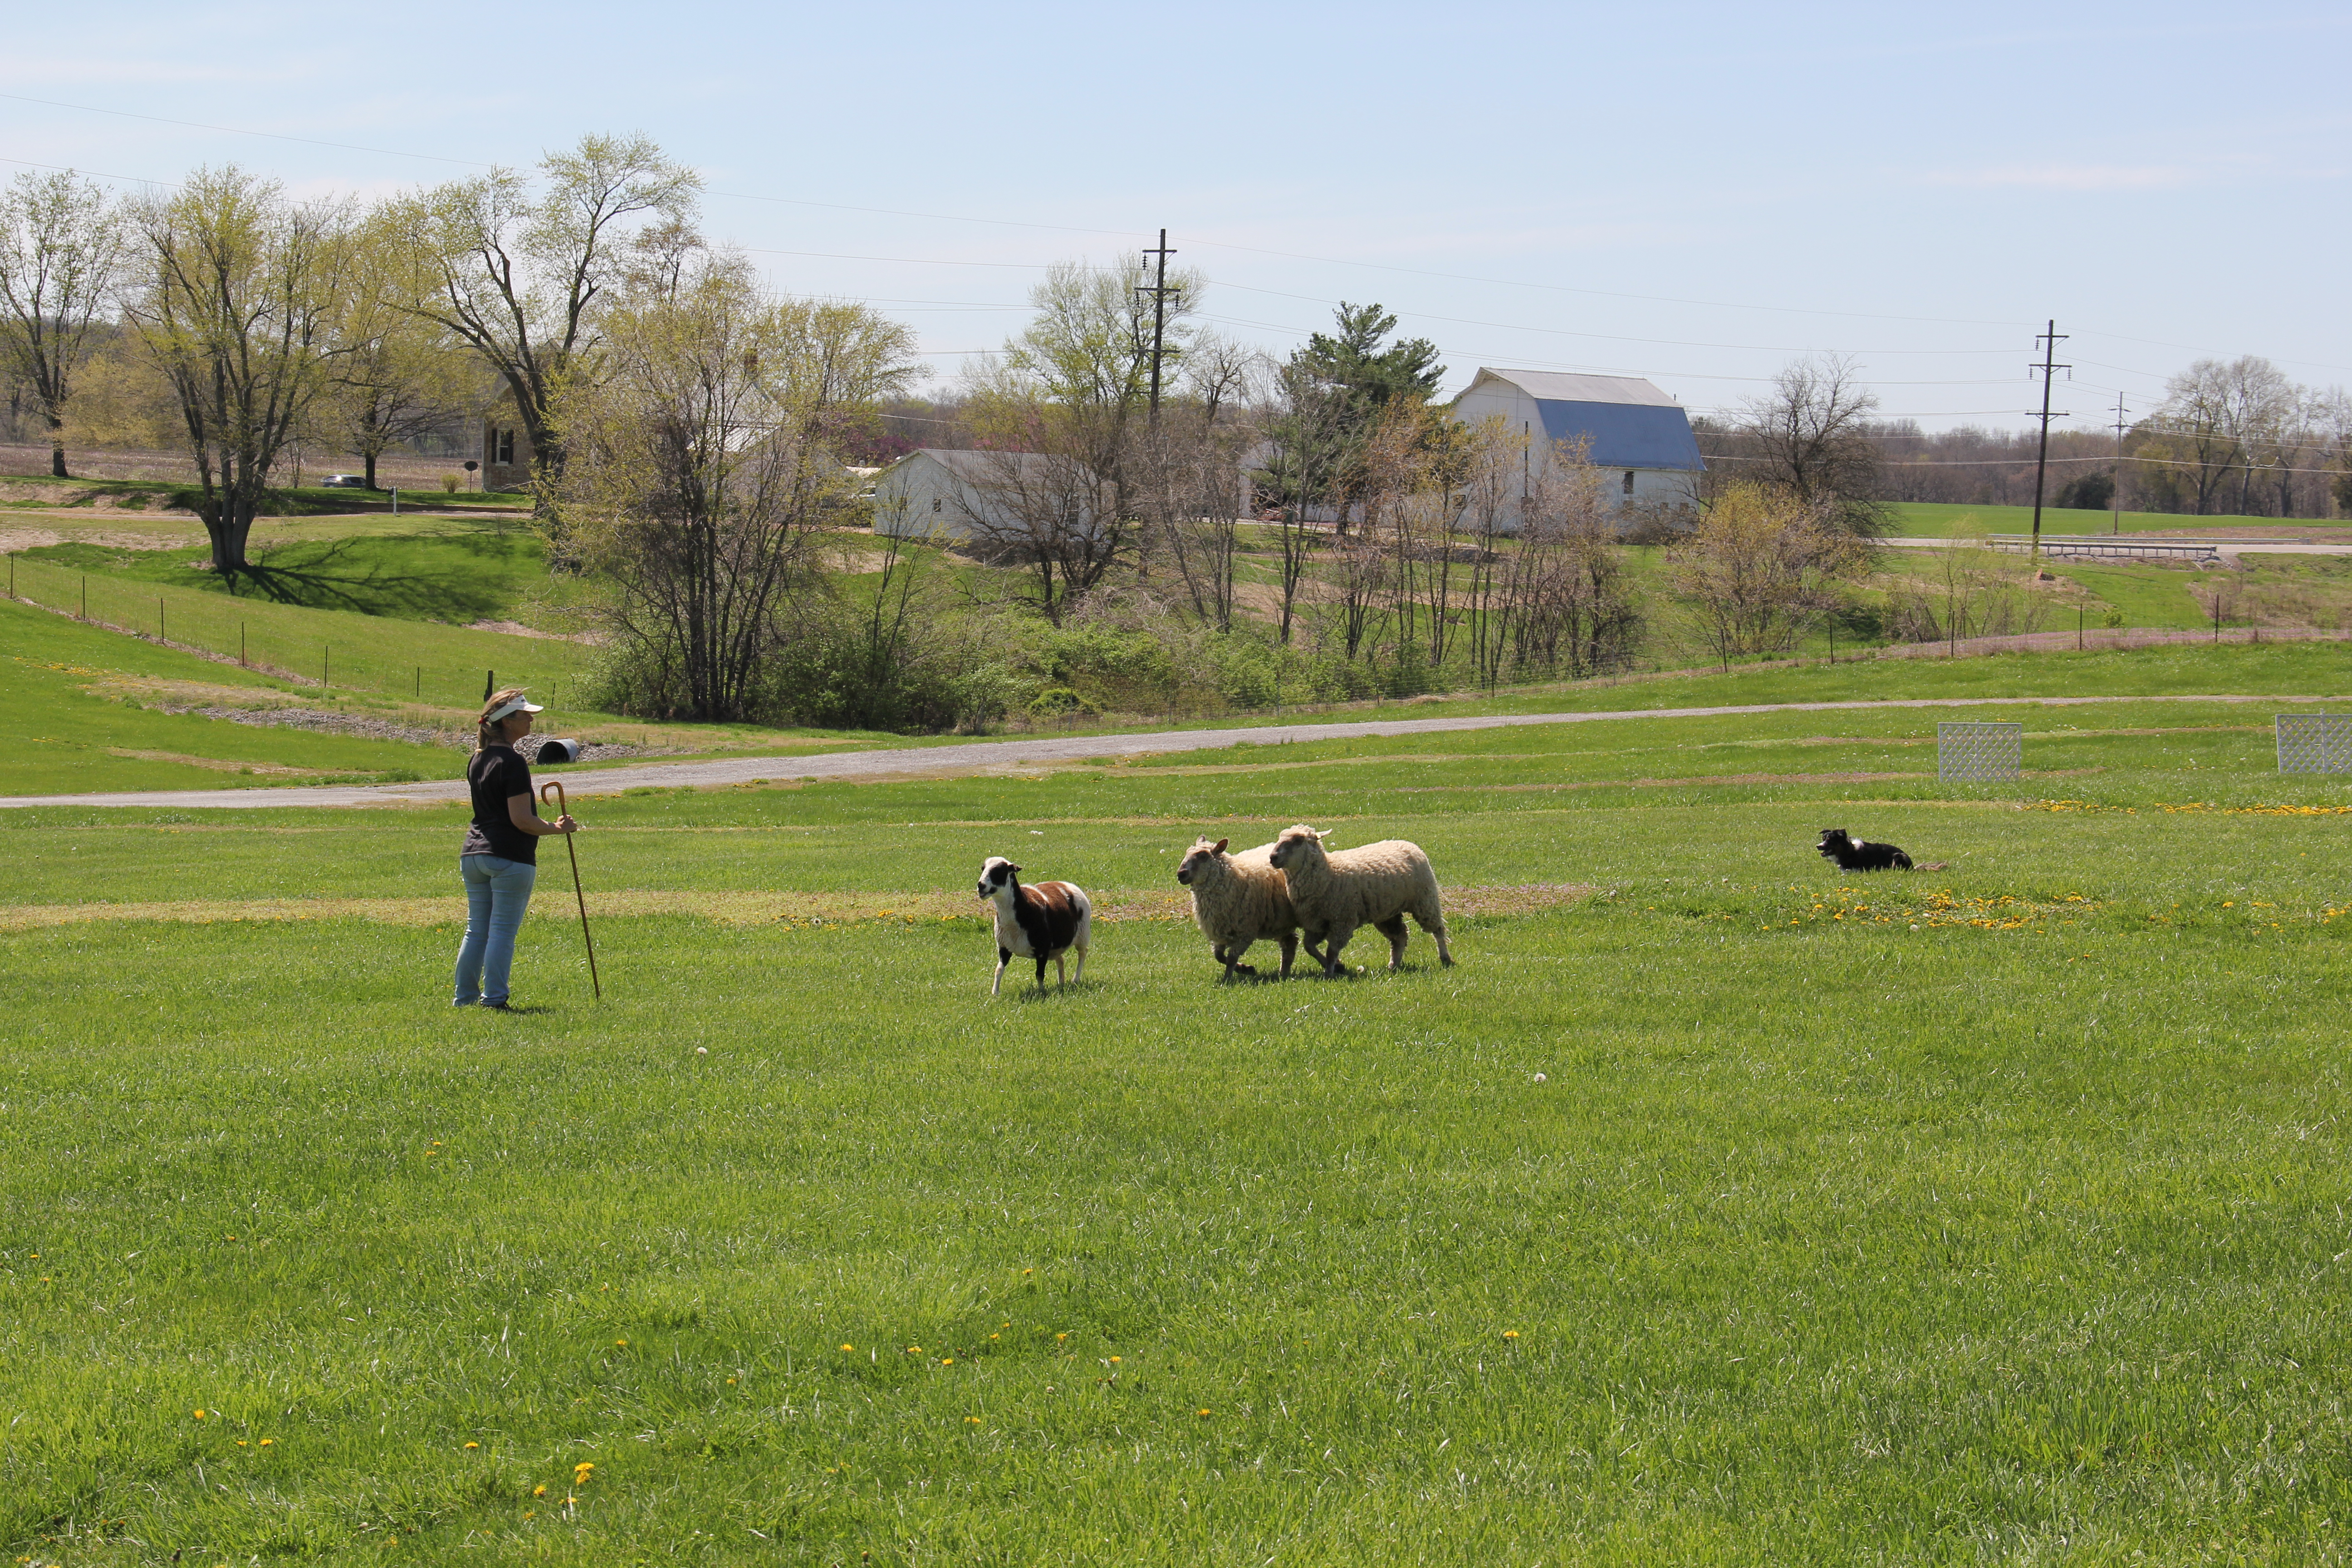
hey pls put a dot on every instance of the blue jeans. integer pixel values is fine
(497, 893)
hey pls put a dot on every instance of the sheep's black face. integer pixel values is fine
(1190, 865)
(996, 876)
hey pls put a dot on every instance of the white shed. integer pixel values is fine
(1636, 432)
(937, 493)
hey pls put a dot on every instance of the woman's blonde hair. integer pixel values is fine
(484, 725)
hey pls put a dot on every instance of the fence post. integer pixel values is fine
(324, 650)
(240, 647)
(159, 618)
(85, 596)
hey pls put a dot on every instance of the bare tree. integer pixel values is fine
(1969, 591)
(701, 480)
(2216, 413)
(519, 274)
(233, 296)
(1050, 511)
(1812, 436)
(61, 245)
(1189, 489)
(1306, 442)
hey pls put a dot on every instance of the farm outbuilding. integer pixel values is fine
(938, 493)
(1637, 434)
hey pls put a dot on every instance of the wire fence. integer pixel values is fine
(421, 661)
(1978, 752)
(2314, 743)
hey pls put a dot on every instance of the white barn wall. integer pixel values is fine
(1491, 395)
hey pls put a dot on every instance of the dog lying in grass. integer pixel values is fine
(1853, 854)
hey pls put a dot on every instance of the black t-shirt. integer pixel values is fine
(496, 776)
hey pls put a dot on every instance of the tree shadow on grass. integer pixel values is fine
(341, 575)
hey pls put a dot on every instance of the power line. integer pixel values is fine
(1607, 337)
(242, 131)
(1596, 293)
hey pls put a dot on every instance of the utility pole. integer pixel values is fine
(1158, 291)
(2116, 490)
(2049, 342)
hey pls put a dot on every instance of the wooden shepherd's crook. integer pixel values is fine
(563, 809)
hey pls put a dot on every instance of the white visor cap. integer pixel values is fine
(518, 706)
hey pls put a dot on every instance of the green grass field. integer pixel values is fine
(1935, 520)
(342, 649)
(1988, 1214)
(446, 575)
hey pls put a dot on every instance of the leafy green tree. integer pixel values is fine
(521, 270)
(1362, 379)
(2086, 492)
(234, 301)
(61, 243)
(702, 482)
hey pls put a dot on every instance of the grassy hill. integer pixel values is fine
(1716, 1208)
(152, 594)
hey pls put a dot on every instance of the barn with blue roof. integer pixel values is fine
(1637, 434)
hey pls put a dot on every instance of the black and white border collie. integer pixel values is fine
(1853, 854)
(1045, 920)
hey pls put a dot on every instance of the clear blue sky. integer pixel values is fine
(1693, 193)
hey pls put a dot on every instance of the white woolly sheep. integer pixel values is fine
(1237, 900)
(1375, 886)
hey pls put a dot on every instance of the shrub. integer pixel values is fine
(452, 483)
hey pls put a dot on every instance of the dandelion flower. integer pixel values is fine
(946, 1360)
(582, 1467)
(1510, 1334)
(199, 1414)
(972, 1420)
(620, 1344)
(539, 1492)
(914, 1350)
(1114, 1361)
(266, 1442)
(530, 1513)
(472, 1445)
(1058, 1338)
(846, 1349)
(240, 1442)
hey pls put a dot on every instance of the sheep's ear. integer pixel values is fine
(1012, 868)
(1221, 847)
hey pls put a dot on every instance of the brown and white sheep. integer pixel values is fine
(1239, 899)
(1377, 886)
(1045, 920)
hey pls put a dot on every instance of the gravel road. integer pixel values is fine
(983, 756)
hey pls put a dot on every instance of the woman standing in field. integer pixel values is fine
(500, 857)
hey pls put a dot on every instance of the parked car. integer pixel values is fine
(345, 481)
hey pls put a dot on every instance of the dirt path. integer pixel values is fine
(1013, 757)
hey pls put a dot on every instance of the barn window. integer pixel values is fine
(502, 446)
(1629, 481)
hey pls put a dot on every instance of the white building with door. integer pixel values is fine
(1636, 434)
